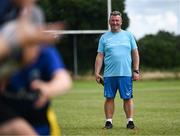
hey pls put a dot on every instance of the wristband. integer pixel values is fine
(136, 71)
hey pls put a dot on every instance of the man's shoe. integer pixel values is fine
(130, 125)
(108, 125)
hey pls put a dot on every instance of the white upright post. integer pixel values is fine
(108, 12)
(75, 55)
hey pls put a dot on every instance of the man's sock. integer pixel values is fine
(129, 119)
(110, 120)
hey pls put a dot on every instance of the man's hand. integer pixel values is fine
(136, 76)
(99, 79)
(38, 85)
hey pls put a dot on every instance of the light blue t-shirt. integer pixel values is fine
(117, 48)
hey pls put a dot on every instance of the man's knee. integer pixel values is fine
(109, 100)
(128, 101)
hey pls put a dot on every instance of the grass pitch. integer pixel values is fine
(157, 110)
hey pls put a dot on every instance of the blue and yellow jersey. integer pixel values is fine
(42, 119)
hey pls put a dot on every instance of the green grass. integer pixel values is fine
(157, 110)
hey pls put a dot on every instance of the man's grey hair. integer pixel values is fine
(115, 13)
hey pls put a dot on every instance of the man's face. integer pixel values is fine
(115, 23)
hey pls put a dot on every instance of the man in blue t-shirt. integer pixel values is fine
(118, 49)
(41, 76)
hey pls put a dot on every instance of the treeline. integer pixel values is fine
(160, 51)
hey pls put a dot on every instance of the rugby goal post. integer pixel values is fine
(77, 32)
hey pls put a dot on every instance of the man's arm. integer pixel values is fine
(98, 66)
(58, 85)
(135, 58)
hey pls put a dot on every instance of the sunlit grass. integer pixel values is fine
(157, 110)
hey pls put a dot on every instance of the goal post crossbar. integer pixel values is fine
(77, 31)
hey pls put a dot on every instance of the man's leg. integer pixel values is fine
(128, 108)
(109, 111)
(129, 111)
(109, 108)
(17, 126)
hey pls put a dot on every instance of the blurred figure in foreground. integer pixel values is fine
(31, 72)
(29, 90)
(21, 24)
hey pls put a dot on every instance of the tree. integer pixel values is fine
(82, 15)
(160, 50)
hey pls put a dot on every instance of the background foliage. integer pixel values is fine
(160, 51)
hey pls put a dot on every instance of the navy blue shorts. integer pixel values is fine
(43, 120)
(121, 83)
(6, 113)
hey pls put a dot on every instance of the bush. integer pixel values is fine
(160, 50)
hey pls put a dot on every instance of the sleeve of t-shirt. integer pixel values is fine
(101, 45)
(133, 42)
(54, 61)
